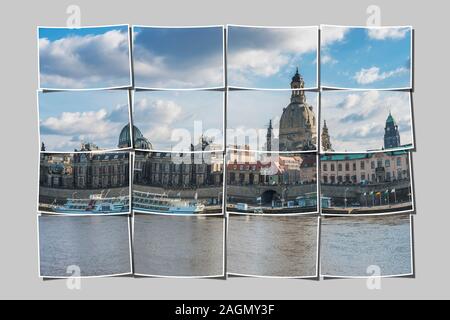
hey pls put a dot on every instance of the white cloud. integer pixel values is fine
(259, 62)
(153, 71)
(156, 71)
(356, 120)
(328, 59)
(157, 117)
(330, 34)
(69, 129)
(387, 33)
(373, 74)
(85, 61)
(158, 111)
(266, 51)
(70, 123)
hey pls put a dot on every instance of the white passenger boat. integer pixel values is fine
(95, 204)
(161, 203)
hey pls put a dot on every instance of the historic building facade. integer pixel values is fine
(272, 170)
(56, 170)
(85, 170)
(177, 170)
(368, 168)
(297, 131)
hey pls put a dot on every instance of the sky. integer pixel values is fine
(66, 119)
(362, 58)
(268, 57)
(356, 119)
(86, 58)
(178, 58)
(172, 120)
(249, 113)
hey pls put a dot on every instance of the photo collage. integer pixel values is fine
(226, 151)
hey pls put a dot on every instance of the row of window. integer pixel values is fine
(245, 167)
(372, 178)
(101, 170)
(167, 167)
(362, 165)
(106, 181)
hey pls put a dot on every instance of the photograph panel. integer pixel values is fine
(83, 120)
(368, 183)
(92, 246)
(179, 246)
(356, 246)
(272, 120)
(84, 183)
(263, 57)
(263, 246)
(178, 183)
(84, 58)
(179, 120)
(271, 183)
(178, 57)
(366, 121)
(366, 57)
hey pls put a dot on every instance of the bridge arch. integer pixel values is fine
(268, 196)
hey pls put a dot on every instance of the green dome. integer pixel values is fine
(125, 139)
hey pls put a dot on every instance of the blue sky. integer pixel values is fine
(86, 58)
(364, 58)
(53, 34)
(66, 119)
(356, 119)
(164, 117)
(268, 57)
(178, 58)
(249, 113)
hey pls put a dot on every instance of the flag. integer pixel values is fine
(371, 193)
(365, 194)
(387, 191)
(258, 199)
(393, 191)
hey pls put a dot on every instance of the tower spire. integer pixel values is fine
(326, 141)
(391, 133)
(269, 138)
(297, 84)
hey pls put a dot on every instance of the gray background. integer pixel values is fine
(19, 159)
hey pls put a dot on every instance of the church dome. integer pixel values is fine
(143, 144)
(298, 121)
(297, 115)
(297, 127)
(125, 139)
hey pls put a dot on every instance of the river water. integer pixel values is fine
(178, 246)
(98, 245)
(272, 246)
(349, 245)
